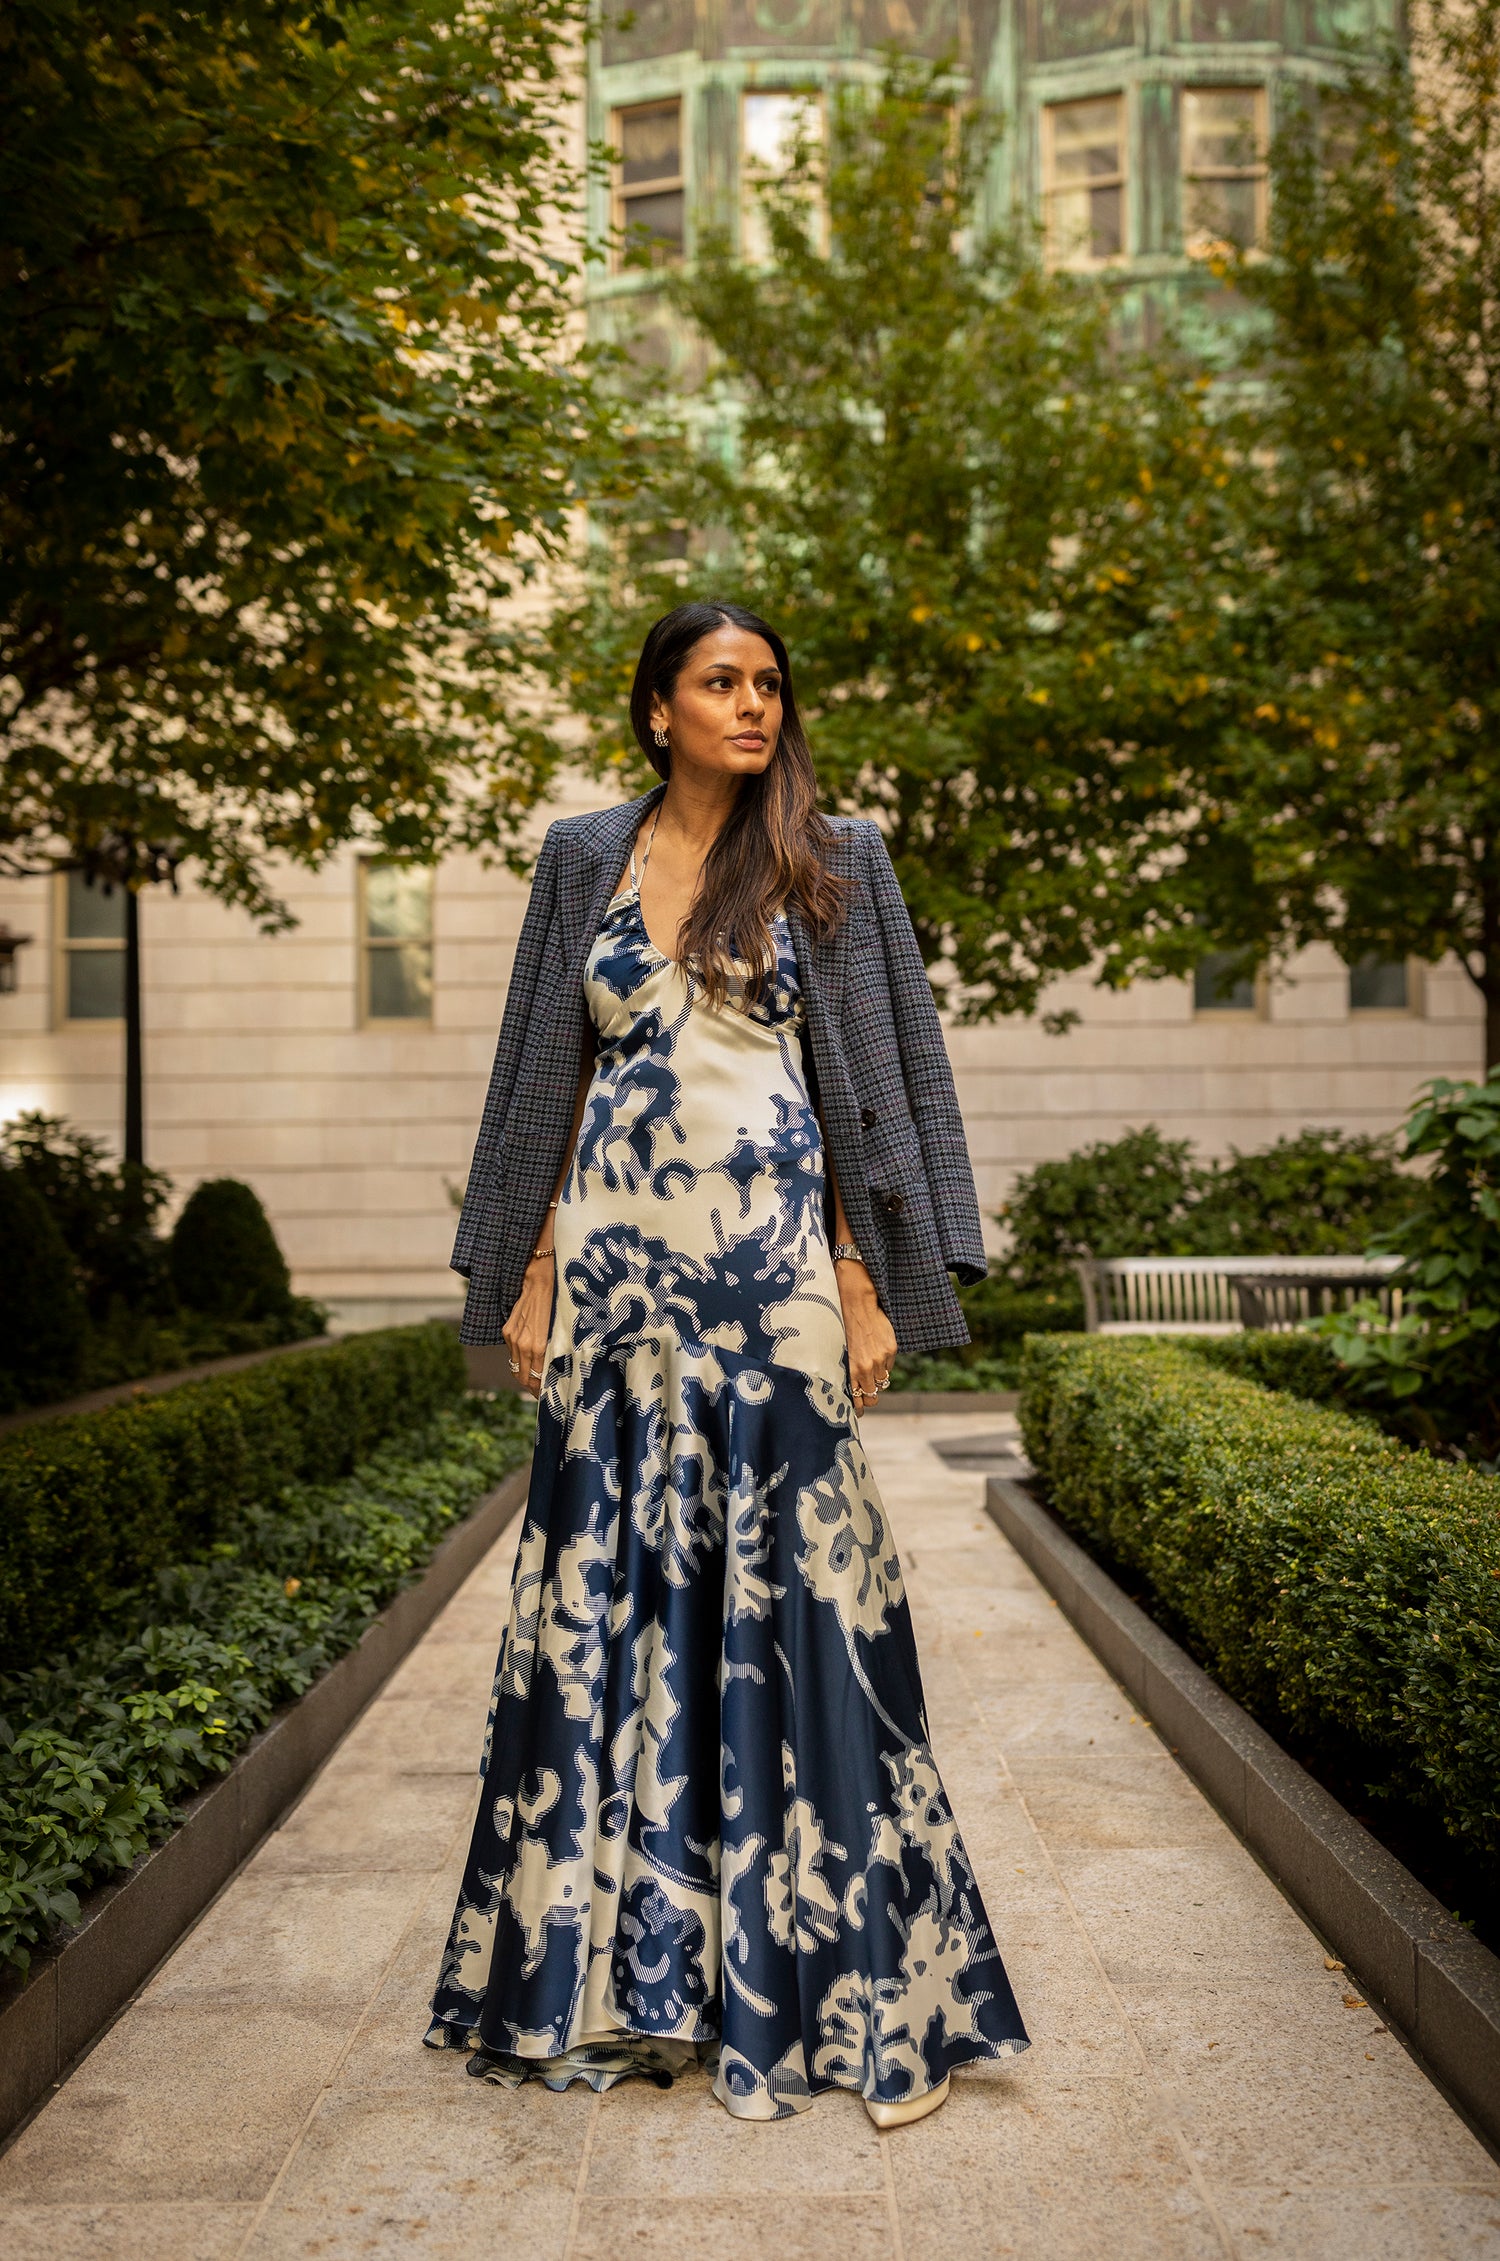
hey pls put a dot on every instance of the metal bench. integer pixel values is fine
(1219, 1295)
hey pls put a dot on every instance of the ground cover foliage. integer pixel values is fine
(92, 1504)
(1343, 1587)
(100, 1745)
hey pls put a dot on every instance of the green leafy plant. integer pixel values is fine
(1127, 1196)
(1319, 1192)
(1333, 1580)
(91, 1504)
(43, 1324)
(287, 408)
(1354, 790)
(98, 1747)
(1437, 1368)
(979, 519)
(104, 1210)
(224, 1257)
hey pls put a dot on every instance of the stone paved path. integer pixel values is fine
(1200, 2085)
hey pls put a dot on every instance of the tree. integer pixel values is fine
(1358, 787)
(286, 412)
(982, 527)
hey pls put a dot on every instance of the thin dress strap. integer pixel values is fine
(637, 877)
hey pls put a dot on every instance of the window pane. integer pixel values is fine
(653, 226)
(1086, 140)
(1219, 127)
(96, 985)
(1224, 210)
(398, 901)
(1378, 985)
(91, 913)
(401, 981)
(1220, 987)
(1106, 222)
(650, 143)
(773, 124)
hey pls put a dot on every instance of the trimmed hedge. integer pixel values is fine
(94, 1502)
(97, 1748)
(1306, 1365)
(1331, 1580)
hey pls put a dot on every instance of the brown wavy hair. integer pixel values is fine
(775, 848)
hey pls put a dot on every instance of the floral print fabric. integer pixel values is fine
(711, 1825)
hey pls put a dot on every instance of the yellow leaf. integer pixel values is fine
(921, 612)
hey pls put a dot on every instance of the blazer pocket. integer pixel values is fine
(893, 1165)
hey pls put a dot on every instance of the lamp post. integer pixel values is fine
(123, 859)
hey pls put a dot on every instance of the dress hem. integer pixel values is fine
(590, 2063)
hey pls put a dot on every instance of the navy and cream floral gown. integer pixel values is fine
(711, 1824)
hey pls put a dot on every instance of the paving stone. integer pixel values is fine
(183, 2100)
(755, 2229)
(167, 2231)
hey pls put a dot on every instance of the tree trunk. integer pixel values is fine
(135, 1140)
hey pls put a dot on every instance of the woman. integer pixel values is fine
(712, 1826)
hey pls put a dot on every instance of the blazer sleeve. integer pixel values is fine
(520, 998)
(927, 1074)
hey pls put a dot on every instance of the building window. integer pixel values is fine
(91, 927)
(1083, 180)
(396, 925)
(1223, 167)
(771, 125)
(649, 184)
(1381, 985)
(1221, 984)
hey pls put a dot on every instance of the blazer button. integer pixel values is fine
(895, 1204)
(867, 1116)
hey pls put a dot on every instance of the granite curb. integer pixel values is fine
(1438, 1986)
(52, 2019)
(944, 1401)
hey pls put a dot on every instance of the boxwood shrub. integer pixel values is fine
(94, 1502)
(1332, 1580)
(98, 1746)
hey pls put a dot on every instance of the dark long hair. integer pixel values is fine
(774, 849)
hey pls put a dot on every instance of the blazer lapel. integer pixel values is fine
(607, 841)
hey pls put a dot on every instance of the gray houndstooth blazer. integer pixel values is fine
(880, 1077)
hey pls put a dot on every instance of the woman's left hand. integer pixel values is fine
(871, 1337)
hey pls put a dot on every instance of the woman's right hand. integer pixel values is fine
(526, 1330)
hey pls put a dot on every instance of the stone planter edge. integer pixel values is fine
(1438, 1986)
(75, 1992)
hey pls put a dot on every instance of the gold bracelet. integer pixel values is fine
(548, 1255)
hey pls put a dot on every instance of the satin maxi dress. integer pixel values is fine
(711, 1827)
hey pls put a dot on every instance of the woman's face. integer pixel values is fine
(725, 710)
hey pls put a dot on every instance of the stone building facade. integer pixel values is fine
(340, 1067)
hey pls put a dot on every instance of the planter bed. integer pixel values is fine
(1345, 1589)
(1438, 1986)
(79, 1986)
(175, 1574)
